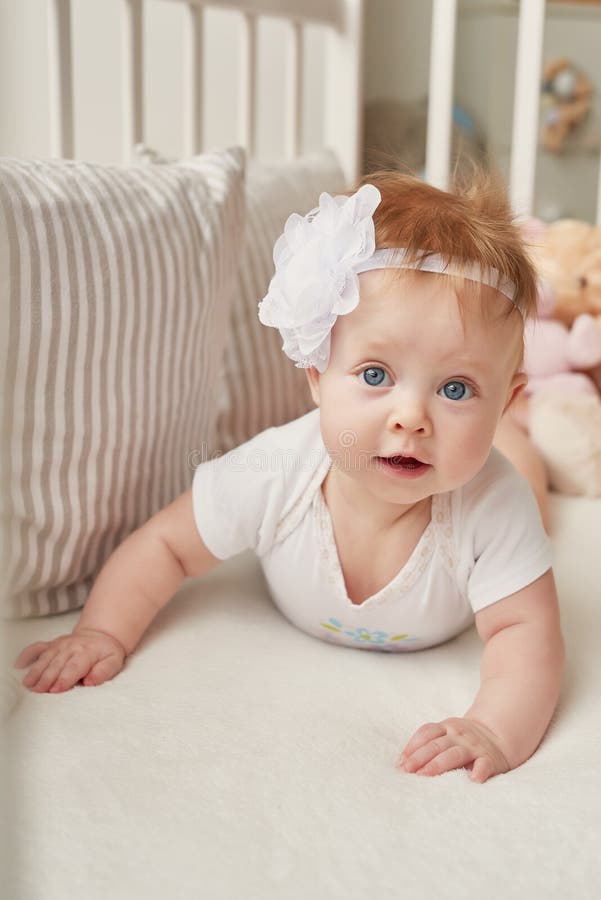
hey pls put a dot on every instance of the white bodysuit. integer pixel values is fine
(484, 541)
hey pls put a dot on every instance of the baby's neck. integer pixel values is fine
(353, 503)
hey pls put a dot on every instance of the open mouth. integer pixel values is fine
(400, 464)
(404, 462)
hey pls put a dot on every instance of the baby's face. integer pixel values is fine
(405, 379)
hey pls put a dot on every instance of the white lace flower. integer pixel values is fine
(315, 279)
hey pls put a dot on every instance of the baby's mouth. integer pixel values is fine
(402, 462)
(407, 462)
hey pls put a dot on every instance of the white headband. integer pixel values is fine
(395, 258)
(317, 261)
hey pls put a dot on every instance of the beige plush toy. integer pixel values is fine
(568, 256)
(565, 424)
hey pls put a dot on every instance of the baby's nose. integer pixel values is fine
(410, 413)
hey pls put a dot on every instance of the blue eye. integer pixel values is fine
(457, 390)
(373, 376)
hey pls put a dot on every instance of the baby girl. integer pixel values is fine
(385, 518)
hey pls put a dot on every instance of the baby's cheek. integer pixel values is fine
(333, 431)
(340, 426)
(469, 456)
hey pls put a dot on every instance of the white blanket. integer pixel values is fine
(237, 757)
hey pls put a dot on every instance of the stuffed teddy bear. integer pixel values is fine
(552, 433)
(561, 410)
(567, 254)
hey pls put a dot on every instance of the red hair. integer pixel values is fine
(470, 224)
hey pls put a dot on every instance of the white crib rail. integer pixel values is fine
(294, 104)
(524, 137)
(525, 117)
(248, 86)
(343, 89)
(132, 51)
(193, 70)
(526, 101)
(440, 101)
(60, 78)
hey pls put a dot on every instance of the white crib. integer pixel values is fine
(342, 119)
(236, 756)
(342, 101)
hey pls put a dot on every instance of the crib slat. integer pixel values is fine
(440, 100)
(343, 116)
(60, 81)
(294, 102)
(193, 71)
(133, 68)
(248, 79)
(526, 104)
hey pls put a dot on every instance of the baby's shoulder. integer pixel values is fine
(303, 465)
(292, 449)
(299, 436)
(497, 477)
(288, 457)
(280, 448)
(242, 498)
(494, 498)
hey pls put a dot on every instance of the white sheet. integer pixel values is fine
(236, 756)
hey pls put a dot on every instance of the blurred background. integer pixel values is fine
(396, 86)
(396, 54)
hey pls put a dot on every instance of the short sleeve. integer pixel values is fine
(237, 498)
(503, 533)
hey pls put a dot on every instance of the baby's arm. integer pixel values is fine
(521, 672)
(138, 579)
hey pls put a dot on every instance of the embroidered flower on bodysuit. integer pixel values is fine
(364, 636)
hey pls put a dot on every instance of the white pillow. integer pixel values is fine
(115, 284)
(260, 387)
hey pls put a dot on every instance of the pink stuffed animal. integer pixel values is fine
(552, 432)
(554, 355)
(563, 413)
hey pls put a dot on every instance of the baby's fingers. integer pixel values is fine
(29, 654)
(73, 670)
(103, 670)
(43, 673)
(483, 769)
(429, 732)
(431, 761)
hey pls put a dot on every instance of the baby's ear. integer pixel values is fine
(313, 379)
(516, 386)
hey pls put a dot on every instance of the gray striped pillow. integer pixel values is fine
(260, 387)
(115, 286)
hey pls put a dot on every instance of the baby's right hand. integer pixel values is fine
(59, 664)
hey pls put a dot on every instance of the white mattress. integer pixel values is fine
(237, 757)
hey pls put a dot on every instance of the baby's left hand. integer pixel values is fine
(438, 747)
